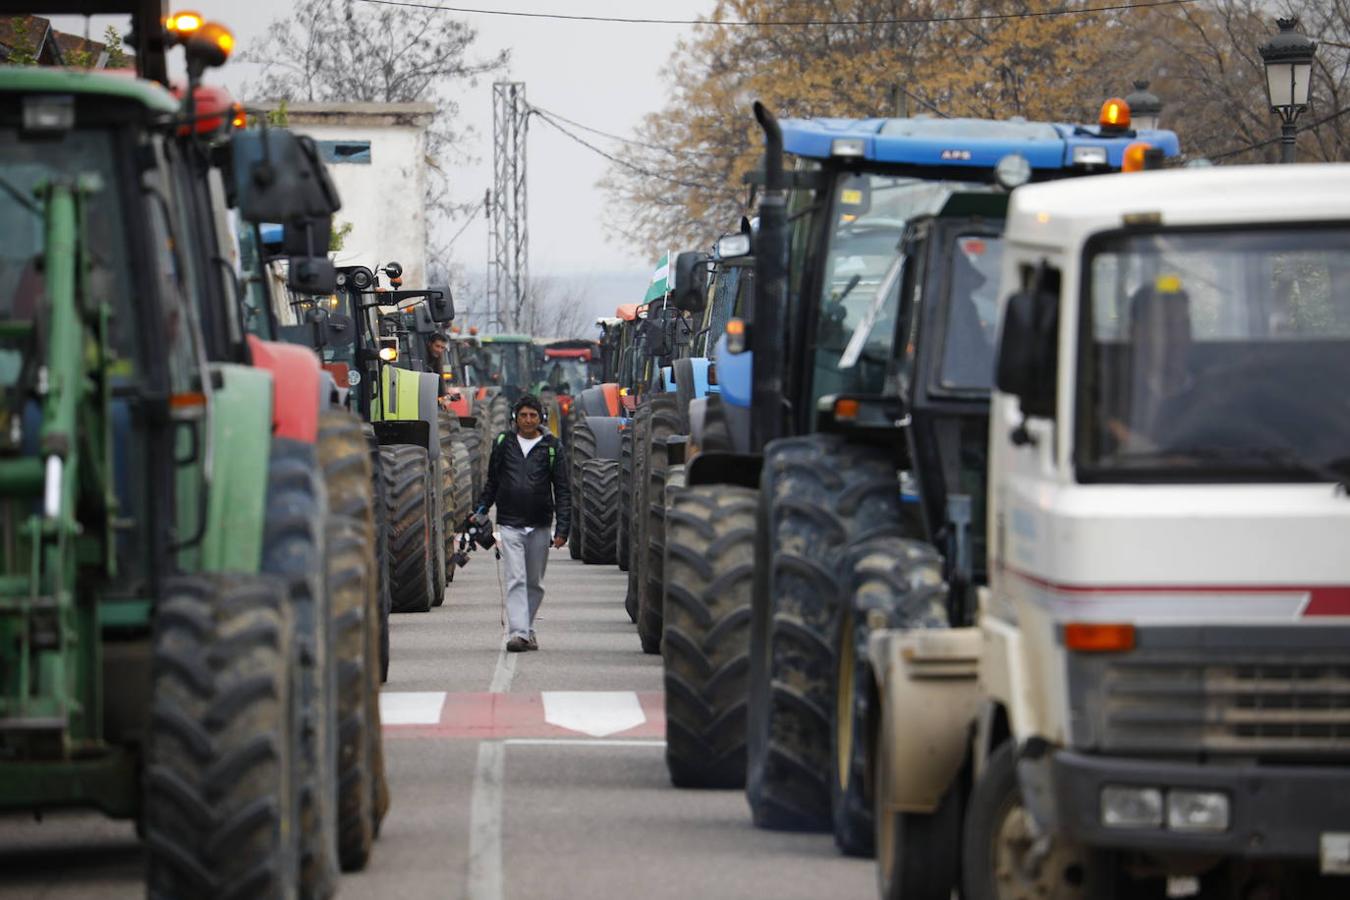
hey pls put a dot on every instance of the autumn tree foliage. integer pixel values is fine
(681, 180)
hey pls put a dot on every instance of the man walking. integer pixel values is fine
(527, 480)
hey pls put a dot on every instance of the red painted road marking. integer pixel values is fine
(488, 717)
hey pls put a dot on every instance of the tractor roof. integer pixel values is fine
(36, 79)
(1064, 214)
(505, 338)
(627, 312)
(977, 143)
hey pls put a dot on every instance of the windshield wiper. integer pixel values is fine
(859, 338)
(24, 200)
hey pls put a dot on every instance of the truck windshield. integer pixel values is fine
(24, 165)
(869, 216)
(1217, 354)
(972, 313)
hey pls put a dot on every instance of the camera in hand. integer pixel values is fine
(478, 528)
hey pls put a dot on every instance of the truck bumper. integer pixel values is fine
(1274, 811)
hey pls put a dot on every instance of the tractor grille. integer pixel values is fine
(1279, 704)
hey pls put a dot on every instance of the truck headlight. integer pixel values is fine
(1197, 811)
(1131, 807)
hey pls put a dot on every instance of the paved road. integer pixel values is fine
(496, 794)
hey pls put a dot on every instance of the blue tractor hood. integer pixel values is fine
(974, 143)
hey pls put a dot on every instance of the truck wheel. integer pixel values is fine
(381, 548)
(642, 418)
(293, 548)
(350, 568)
(583, 449)
(710, 562)
(918, 855)
(997, 862)
(625, 489)
(220, 815)
(901, 581)
(599, 486)
(817, 493)
(412, 558)
(665, 422)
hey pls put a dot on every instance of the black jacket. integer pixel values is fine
(528, 490)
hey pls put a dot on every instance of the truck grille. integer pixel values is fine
(1277, 705)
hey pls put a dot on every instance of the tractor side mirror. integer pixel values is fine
(441, 304)
(1028, 352)
(691, 281)
(277, 176)
(307, 236)
(733, 246)
(311, 275)
(423, 321)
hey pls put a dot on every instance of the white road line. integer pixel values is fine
(580, 742)
(505, 672)
(485, 824)
(484, 881)
(597, 713)
(411, 707)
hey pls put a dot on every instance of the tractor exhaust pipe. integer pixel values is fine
(770, 306)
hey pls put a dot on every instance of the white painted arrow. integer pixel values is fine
(411, 707)
(597, 713)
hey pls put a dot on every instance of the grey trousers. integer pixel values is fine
(526, 557)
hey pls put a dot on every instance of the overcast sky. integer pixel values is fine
(605, 75)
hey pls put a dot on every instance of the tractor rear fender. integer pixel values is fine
(298, 391)
(716, 467)
(595, 401)
(406, 431)
(606, 430)
(241, 421)
(930, 699)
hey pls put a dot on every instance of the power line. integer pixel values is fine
(614, 137)
(917, 20)
(1311, 126)
(468, 220)
(618, 160)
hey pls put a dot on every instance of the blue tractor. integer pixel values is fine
(803, 452)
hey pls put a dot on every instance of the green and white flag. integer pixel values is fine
(662, 280)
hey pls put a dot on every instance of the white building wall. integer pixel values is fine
(381, 199)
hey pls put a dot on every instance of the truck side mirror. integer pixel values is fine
(1028, 352)
(311, 275)
(277, 176)
(691, 281)
(441, 304)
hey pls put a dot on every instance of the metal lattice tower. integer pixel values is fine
(509, 236)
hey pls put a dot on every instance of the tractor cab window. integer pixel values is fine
(1209, 355)
(568, 375)
(26, 163)
(972, 313)
(856, 320)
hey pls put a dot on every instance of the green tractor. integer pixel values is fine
(167, 615)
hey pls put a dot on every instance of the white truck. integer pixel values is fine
(1155, 696)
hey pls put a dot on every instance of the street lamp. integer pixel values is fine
(1145, 107)
(1288, 58)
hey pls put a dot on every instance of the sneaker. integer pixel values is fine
(517, 644)
(533, 642)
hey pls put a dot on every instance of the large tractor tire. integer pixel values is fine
(220, 812)
(384, 591)
(665, 422)
(353, 590)
(642, 418)
(472, 441)
(486, 437)
(625, 489)
(894, 583)
(716, 431)
(583, 450)
(412, 555)
(817, 494)
(710, 564)
(447, 429)
(351, 595)
(294, 549)
(553, 414)
(599, 489)
(499, 414)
